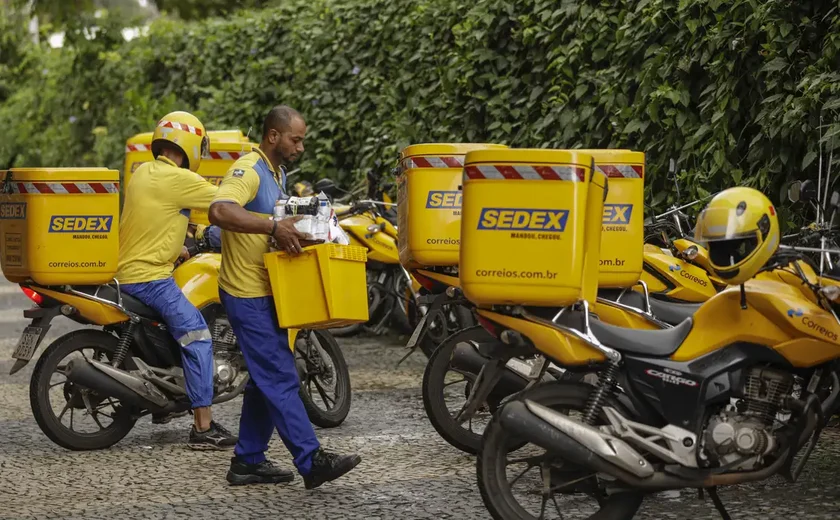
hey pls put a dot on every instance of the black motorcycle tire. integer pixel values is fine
(39, 394)
(433, 388)
(401, 318)
(335, 416)
(491, 467)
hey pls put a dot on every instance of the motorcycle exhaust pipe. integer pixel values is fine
(110, 381)
(468, 359)
(589, 447)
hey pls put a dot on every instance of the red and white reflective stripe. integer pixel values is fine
(525, 172)
(626, 171)
(66, 188)
(434, 162)
(137, 148)
(227, 156)
(180, 126)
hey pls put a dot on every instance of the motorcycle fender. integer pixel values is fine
(381, 246)
(293, 333)
(93, 311)
(41, 317)
(198, 279)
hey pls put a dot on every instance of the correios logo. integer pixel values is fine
(688, 276)
(811, 324)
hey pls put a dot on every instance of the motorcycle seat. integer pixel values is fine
(130, 303)
(670, 312)
(657, 343)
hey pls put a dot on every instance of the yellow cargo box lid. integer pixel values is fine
(444, 149)
(60, 175)
(614, 163)
(526, 164)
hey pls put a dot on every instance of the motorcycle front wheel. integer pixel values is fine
(62, 408)
(324, 378)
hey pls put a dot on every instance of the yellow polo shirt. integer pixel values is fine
(252, 183)
(154, 219)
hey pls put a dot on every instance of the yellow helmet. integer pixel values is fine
(741, 229)
(184, 131)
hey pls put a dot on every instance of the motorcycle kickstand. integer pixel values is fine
(717, 502)
(490, 374)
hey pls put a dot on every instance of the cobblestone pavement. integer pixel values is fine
(407, 471)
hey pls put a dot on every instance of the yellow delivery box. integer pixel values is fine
(623, 231)
(226, 146)
(60, 225)
(531, 227)
(429, 202)
(323, 287)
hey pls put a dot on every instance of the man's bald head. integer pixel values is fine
(283, 133)
(279, 118)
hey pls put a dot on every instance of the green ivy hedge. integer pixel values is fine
(734, 90)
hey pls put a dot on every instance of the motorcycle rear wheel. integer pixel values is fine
(491, 464)
(39, 397)
(434, 386)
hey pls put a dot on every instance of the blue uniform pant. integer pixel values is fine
(187, 326)
(271, 397)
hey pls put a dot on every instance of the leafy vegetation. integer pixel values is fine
(735, 90)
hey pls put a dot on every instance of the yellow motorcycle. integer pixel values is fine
(129, 366)
(776, 358)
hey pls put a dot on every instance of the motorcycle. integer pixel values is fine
(726, 397)
(133, 365)
(496, 371)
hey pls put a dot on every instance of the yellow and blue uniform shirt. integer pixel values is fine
(254, 184)
(154, 218)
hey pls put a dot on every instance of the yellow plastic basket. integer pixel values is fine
(429, 202)
(531, 227)
(60, 225)
(323, 287)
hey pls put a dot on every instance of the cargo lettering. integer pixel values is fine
(617, 214)
(523, 219)
(81, 223)
(688, 276)
(444, 200)
(13, 211)
(808, 322)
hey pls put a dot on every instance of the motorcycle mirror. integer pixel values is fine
(832, 292)
(835, 199)
(807, 191)
(327, 186)
(794, 191)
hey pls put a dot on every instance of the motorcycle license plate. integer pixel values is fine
(417, 330)
(28, 343)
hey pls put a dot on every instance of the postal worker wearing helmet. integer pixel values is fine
(243, 208)
(153, 225)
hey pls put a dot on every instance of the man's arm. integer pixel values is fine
(238, 188)
(192, 191)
